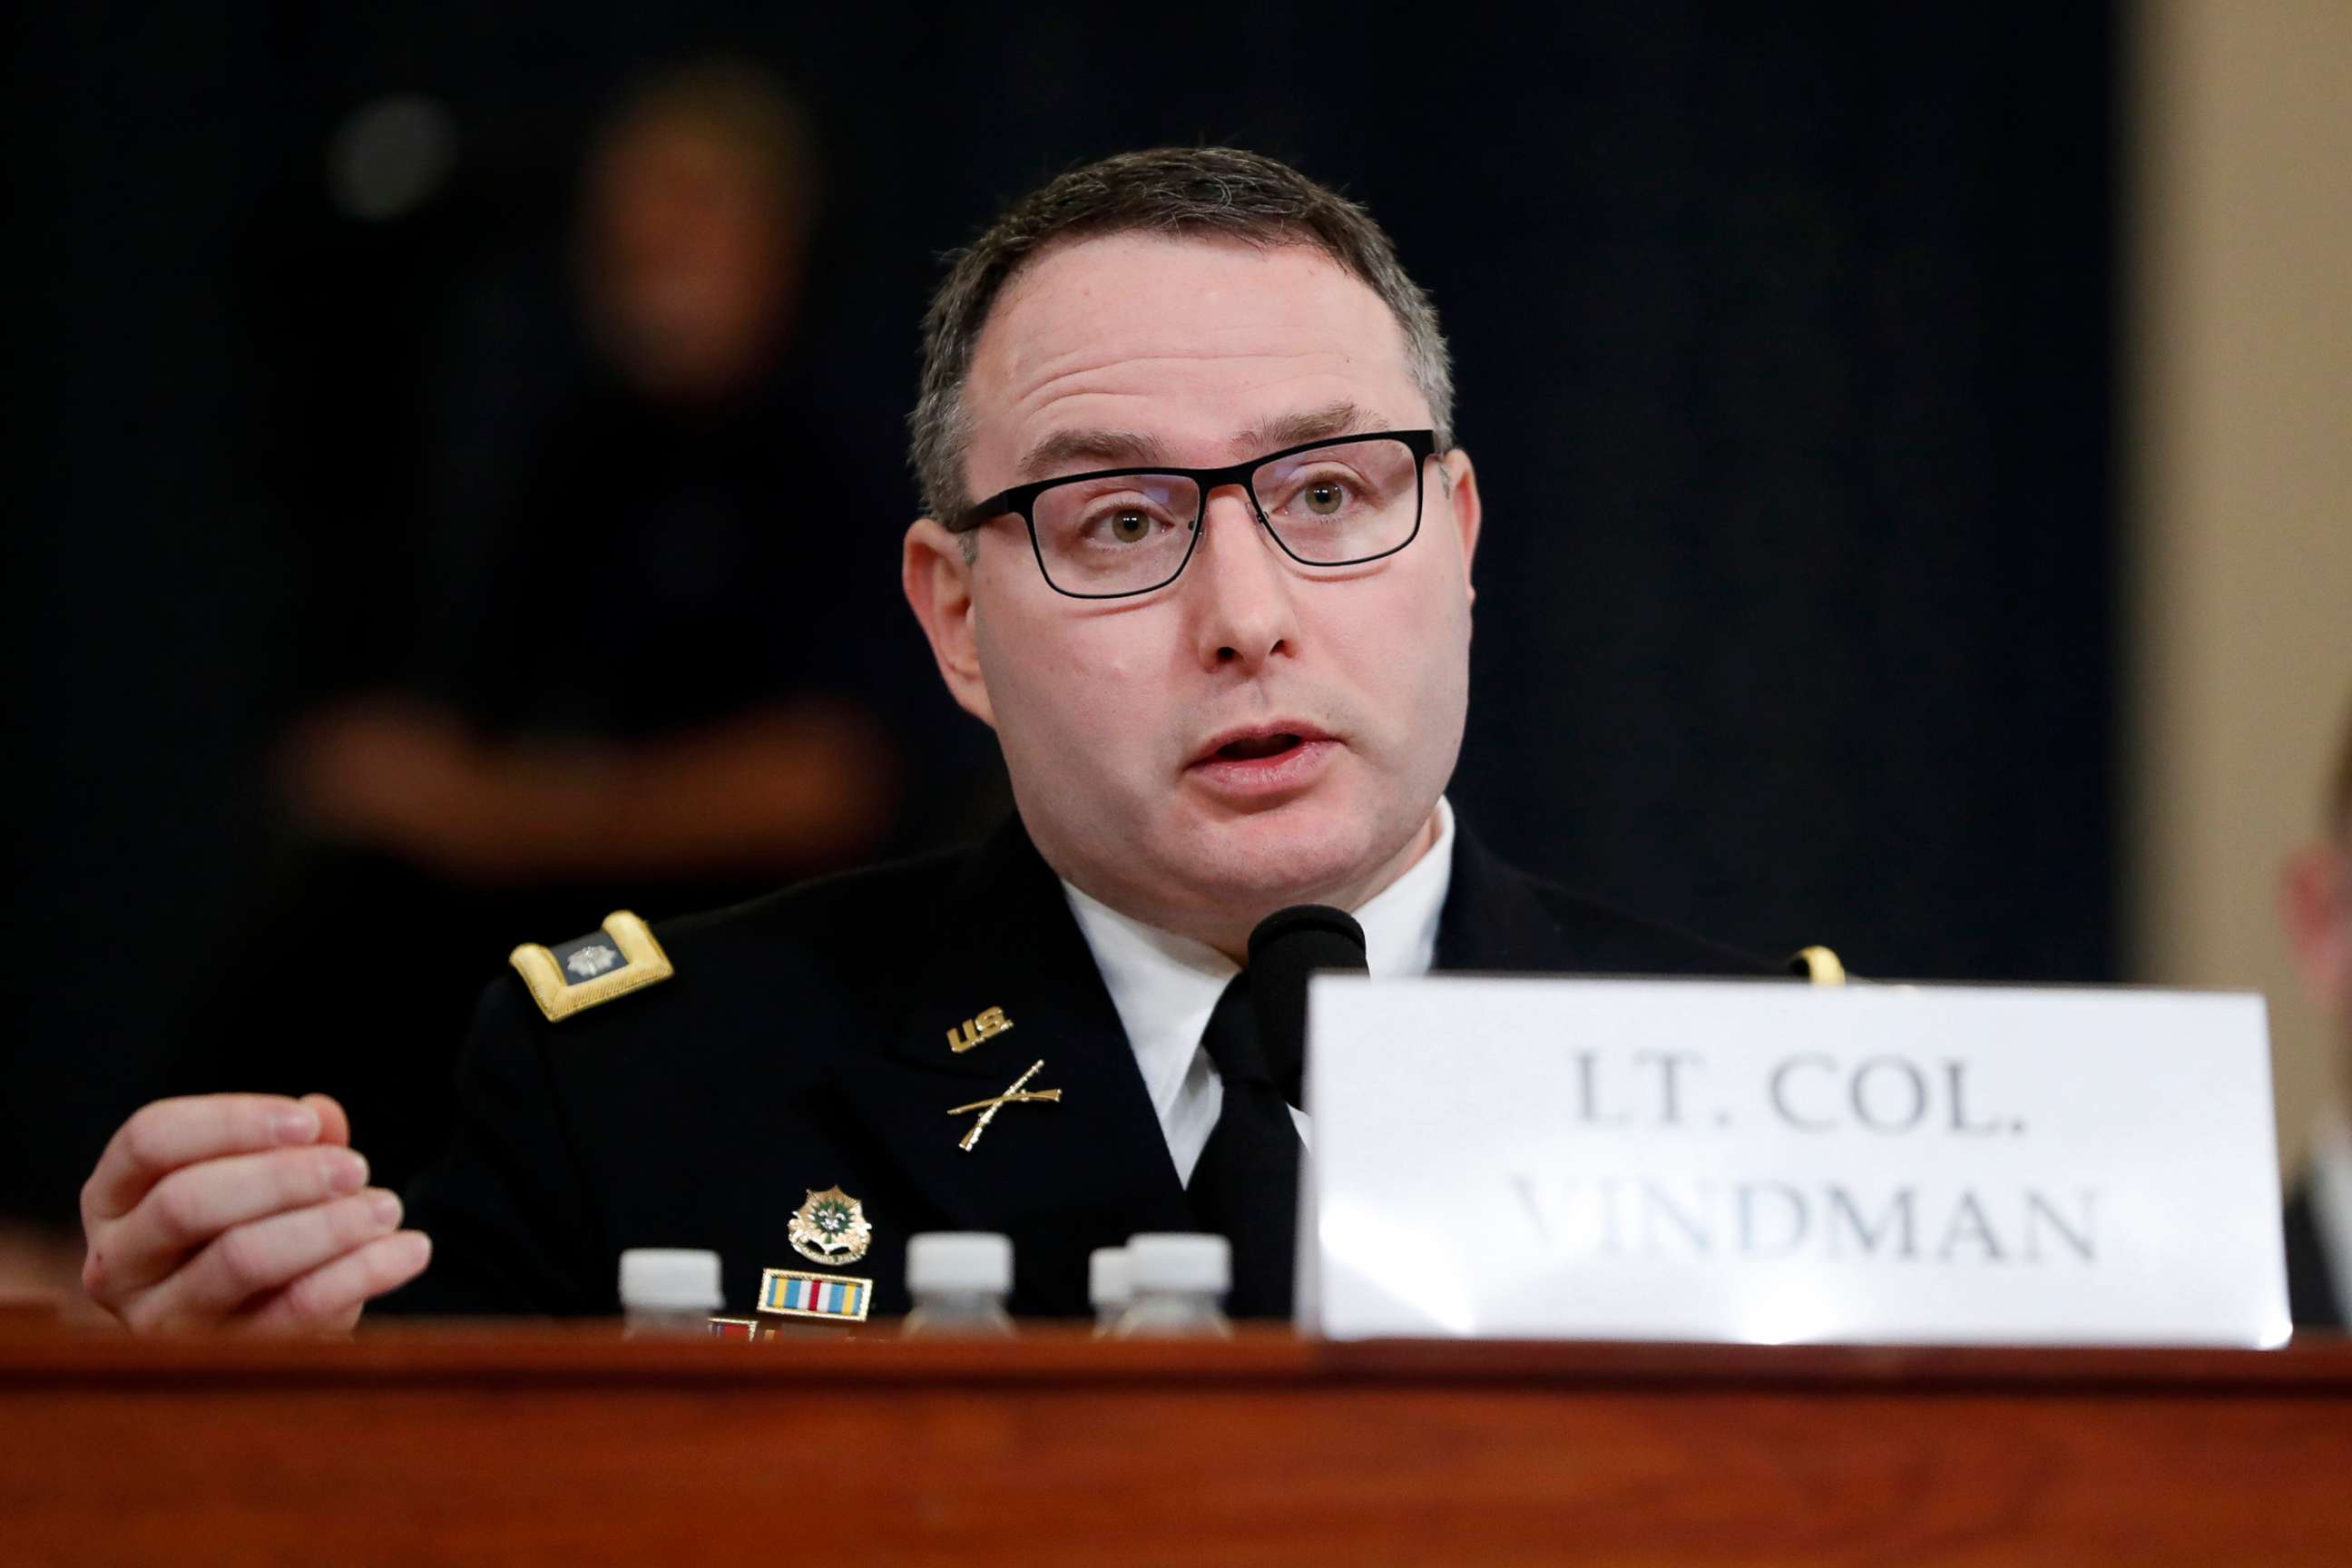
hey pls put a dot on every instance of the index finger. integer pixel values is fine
(335, 1125)
(162, 1136)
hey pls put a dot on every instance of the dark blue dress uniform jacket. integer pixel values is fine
(2310, 1286)
(803, 1044)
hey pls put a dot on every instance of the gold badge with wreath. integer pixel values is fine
(830, 1228)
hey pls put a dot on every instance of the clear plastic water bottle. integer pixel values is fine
(1109, 1288)
(668, 1290)
(958, 1280)
(1180, 1283)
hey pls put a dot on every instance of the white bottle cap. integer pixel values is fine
(959, 1260)
(1108, 1283)
(1177, 1260)
(670, 1278)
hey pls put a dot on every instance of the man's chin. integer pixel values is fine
(1305, 852)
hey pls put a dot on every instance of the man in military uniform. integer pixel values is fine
(2316, 906)
(1216, 606)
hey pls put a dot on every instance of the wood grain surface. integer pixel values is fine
(490, 1445)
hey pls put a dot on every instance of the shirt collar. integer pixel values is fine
(1164, 986)
(1400, 925)
(1400, 921)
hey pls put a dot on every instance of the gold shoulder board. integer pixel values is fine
(1818, 964)
(620, 958)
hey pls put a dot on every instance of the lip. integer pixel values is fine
(1261, 730)
(1284, 772)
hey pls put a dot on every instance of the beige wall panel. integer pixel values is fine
(2238, 486)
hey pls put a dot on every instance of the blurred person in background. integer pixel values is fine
(671, 695)
(2316, 906)
(664, 683)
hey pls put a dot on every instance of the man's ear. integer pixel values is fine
(938, 582)
(2316, 907)
(1461, 490)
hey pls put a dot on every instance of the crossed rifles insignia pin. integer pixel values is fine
(1020, 1093)
(976, 1031)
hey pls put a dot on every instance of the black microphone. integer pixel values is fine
(1287, 946)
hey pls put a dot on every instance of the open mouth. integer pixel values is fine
(1265, 765)
(1255, 748)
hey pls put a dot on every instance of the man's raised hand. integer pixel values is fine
(244, 1210)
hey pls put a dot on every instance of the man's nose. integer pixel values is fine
(1238, 587)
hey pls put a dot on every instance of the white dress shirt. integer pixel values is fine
(1165, 986)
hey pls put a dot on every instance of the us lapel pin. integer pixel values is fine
(991, 1023)
(1017, 1095)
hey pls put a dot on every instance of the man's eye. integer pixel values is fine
(1323, 499)
(1128, 526)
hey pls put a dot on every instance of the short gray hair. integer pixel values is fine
(1207, 192)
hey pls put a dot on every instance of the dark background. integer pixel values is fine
(1784, 345)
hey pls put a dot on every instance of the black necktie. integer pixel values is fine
(1245, 1186)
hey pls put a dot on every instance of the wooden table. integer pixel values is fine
(485, 1445)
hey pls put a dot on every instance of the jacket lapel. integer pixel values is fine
(2310, 1290)
(1493, 922)
(1500, 920)
(1062, 1177)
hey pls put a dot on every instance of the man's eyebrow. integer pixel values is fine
(1090, 448)
(1339, 418)
(1067, 450)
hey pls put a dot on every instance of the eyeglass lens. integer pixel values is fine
(1328, 506)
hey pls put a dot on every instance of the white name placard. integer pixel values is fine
(1766, 1164)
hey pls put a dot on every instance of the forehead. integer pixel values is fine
(1191, 342)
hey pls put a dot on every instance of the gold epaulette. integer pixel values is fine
(620, 958)
(1818, 964)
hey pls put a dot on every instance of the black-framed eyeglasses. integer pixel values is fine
(1117, 533)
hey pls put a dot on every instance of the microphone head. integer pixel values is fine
(1308, 937)
(1287, 946)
